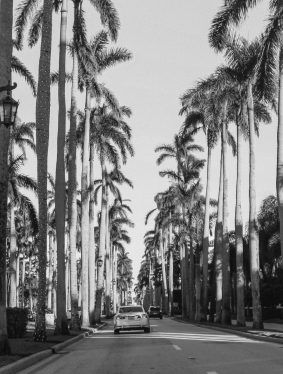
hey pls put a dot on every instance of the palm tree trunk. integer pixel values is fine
(253, 234)
(107, 260)
(18, 277)
(218, 243)
(85, 214)
(239, 233)
(226, 287)
(198, 285)
(171, 270)
(183, 281)
(91, 251)
(192, 282)
(279, 177)
(42, 140)
(54, 277)
(6, 25)
(13, 258)
(164, 278)
(206, 236)
(72, 188)
(23, 282)
(60, 195)
(187, 277)
(101, 254)
(115, 280)
(50, 272)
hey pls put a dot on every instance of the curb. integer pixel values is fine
(25, 362)
(248, 335)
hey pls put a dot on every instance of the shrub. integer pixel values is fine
(17, 319)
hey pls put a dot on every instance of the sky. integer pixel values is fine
(169, 43)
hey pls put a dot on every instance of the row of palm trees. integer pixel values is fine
(241, 92)
(104, 137)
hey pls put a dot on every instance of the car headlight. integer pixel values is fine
(144, 315)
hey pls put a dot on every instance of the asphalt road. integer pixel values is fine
(171, 348)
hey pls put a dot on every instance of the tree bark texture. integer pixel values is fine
(164, 278)
(279, 176)
(226, 285)
(171, 271)
(50, 270)
(206, 236)
(42, 140)
(253, 233)
(107, 259)
(13, 257)
(102, 243)
(72, 190)
(218, 240)
(60, 188)
(91, 251)
(6, 25)
(192, 308)
(239, 233)
(85, 213)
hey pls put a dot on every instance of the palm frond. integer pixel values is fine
(35, 29)
(18, 67)
(108, 15)
(231, 13)
(24, 11)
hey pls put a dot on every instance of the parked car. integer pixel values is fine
(131, 317)
(155, 312)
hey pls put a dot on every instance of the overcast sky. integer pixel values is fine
(169, 42)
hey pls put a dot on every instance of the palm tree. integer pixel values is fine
(243, 59)
(42, 137)
(100, 59)
(232, 13)
(6, 26)
(106, 149)
(110, 182)
(206, 117)
(60, 195)
(110, 19)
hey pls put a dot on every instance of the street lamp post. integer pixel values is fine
(8, 106)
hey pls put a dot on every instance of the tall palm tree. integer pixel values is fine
(206, 117)
(232, 13)
(100, 59)
(6, 26)
(60, 195)
(110, 19)
(42, 138)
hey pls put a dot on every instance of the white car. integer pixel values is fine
(131, 317)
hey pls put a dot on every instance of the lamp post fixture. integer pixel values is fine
(8, 106)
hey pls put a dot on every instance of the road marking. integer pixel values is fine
(177, 347)
(176, 336)
(211, 372)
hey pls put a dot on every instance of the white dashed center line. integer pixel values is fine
(211, 372)
(177, 347)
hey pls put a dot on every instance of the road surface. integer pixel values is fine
(172, 347)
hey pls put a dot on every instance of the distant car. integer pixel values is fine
(131, 317)
(155, 312)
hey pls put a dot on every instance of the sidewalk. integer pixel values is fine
(25, 352)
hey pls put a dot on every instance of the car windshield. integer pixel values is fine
(155, 308)
(130, 309)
